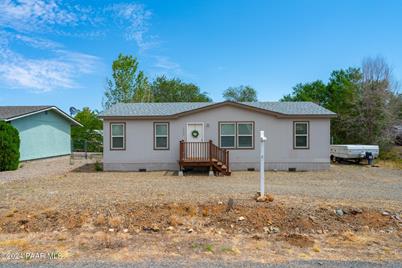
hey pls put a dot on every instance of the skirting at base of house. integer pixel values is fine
(283, 166)
(137, 166)
(234, 166)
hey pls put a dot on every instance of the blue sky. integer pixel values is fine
(60, 52)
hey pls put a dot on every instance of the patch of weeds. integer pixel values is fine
(208, 248)
(226, 249)
(204, 247)
(98, 166)
(316, 249)
(10, 214)
(115, 221)
(100, 220)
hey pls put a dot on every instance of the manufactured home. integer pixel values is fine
(223, 136)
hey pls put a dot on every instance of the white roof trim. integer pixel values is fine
(66, 116)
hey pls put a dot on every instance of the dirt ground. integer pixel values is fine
(347, 213)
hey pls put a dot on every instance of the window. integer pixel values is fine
(301, 135)
(245, 135)
(236, 135)
(161, 136)
(228, 135)
(118, 131)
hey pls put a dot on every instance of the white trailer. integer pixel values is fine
(353, 152)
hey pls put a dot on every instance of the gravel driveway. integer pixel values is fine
(341, 183)
(43, 168)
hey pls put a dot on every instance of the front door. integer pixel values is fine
(195, 132)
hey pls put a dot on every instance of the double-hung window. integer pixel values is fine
(301, 135)
(236, 135)
(245, 133)
(161, 136)
(228, 135)
(117, 137)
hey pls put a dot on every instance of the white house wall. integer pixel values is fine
(279, 152)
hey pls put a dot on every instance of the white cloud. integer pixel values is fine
(38, 15)
(135, 19)
(82, 63)
(37, 75)
(43, 75)
(40, 43)
(24, 21)
(31, 22)
(165, 65)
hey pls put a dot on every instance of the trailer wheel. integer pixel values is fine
(333, 159)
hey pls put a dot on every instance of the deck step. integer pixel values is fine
(214, 160)
(223, 167)
(219, 163)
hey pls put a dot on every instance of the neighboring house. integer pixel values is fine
(44, 130)
(169, 136)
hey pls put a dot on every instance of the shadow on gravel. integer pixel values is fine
(87, 168)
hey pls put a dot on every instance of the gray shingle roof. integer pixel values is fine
(7, 112)
(10, 113)
(170, 109)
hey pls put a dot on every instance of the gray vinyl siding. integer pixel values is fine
(280, 154)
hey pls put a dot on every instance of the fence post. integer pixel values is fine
(210, 151)
(86, 149)
(181, 150)
(227, 160)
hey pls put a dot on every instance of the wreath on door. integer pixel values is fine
(195, 133)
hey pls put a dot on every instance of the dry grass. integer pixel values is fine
(392, 164)
(20, 244)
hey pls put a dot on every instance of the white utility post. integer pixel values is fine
(262, 160)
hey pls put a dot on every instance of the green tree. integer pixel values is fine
(89, 133)
(240, 94)
(341, 94)
(175, 90)
(366, 102)
(143, 91)
(128, 84)
(314, 92)
(9, 147)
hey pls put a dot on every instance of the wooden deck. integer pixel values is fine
(204, 154)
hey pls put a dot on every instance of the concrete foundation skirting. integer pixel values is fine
(138, 166)
(234, 166)
(284, 166)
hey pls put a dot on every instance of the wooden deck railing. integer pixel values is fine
(203, 151)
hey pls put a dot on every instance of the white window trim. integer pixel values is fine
(161, 136)
(245, 135)
(117, 136)
(307, 135)
(225, 135)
